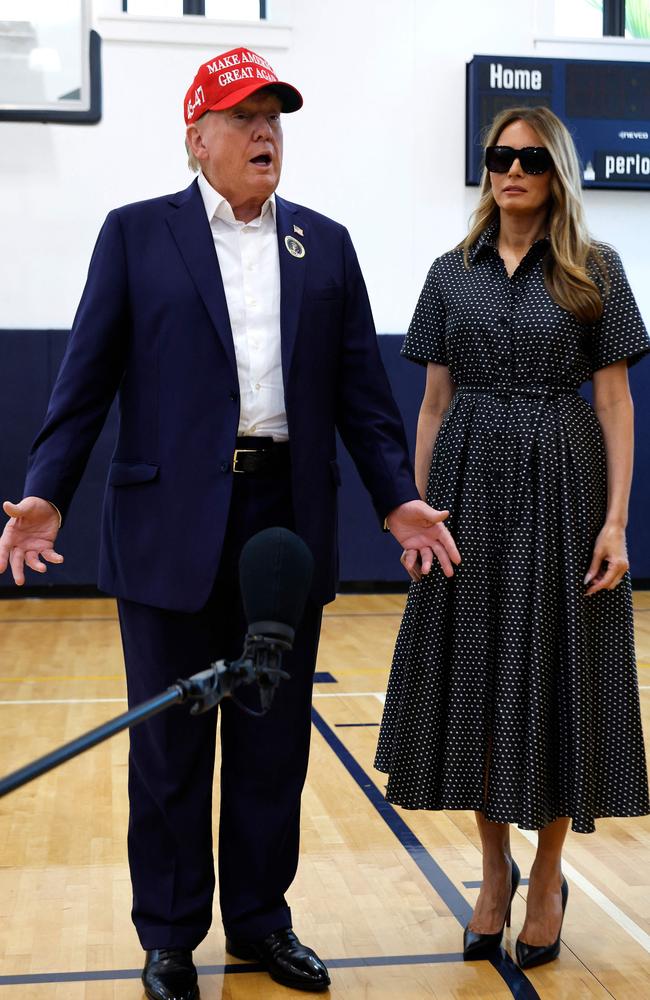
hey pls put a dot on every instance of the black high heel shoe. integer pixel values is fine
(529, 955)
(477, 945)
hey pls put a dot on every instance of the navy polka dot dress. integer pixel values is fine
(510, 692)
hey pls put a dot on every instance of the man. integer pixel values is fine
(237, 329)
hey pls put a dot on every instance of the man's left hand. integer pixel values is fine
(420, 531)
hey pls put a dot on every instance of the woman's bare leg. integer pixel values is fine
(544, 903)
(492, 903)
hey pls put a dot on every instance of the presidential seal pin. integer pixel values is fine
(294, 246)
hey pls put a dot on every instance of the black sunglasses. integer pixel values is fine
(533, 159)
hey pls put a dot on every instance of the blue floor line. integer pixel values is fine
(352, 725)
(520, 987)
(374, 960)
(35, 978)
(477, 883)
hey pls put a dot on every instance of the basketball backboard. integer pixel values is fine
(49, 62)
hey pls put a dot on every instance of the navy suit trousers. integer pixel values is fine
(171, 763)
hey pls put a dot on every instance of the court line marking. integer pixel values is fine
(66, 701)
(76, 678)
(114, 618)
(379, 695)
(477, 883)
(54, 621)
(366, 614)
(352, 725)
(71, 678)
(33, 978)
(46, 678)
(113, 701)
(599, 898)
(348, 694)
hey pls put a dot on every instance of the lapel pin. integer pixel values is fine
(294, 246)
(298, 230)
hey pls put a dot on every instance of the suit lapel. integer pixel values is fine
(191, 231)
(292, 277)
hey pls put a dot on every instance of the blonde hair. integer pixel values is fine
(573, 254)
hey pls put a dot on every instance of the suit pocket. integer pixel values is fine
(131, 473)
(335, 472)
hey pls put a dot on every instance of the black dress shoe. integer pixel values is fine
(530, 955)
(169, 974)
(285, 959)
(477, 945)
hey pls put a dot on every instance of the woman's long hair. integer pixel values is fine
(572, 249)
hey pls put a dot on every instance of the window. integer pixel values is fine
(154, 8)
(637, 18)
(221, 10)
(594, 18)
(237, 10)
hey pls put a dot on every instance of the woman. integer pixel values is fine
(513, 689)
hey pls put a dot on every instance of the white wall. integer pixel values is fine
(379, 144)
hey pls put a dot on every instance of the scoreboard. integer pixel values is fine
(604, 104)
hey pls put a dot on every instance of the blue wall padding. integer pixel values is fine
(29, 360)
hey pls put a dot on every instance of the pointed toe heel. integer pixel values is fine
(475, 945)
(530, 955)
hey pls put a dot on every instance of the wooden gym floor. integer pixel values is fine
(382, 894)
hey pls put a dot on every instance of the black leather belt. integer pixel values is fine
(261, 456)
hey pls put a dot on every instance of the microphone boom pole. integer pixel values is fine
(205, 689)
(273, 613)
(42, 765)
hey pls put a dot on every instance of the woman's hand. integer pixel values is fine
(609, 562)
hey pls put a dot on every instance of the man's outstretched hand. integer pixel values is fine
(29, 537)
(420, 531)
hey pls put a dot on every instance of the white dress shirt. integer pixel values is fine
(250, 268)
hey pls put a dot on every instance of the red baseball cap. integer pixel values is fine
(232, 77)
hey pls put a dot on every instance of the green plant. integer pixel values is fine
(637, 18)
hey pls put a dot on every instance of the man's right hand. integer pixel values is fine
(29, 537)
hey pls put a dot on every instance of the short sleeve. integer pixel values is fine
(620, 333)
(425, 340)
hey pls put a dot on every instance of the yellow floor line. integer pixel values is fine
(61, 677)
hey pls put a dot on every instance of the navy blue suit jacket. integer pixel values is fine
(153, 326)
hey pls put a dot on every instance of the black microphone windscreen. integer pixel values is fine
(275, 572)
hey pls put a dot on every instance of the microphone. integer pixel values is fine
(275, 573)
